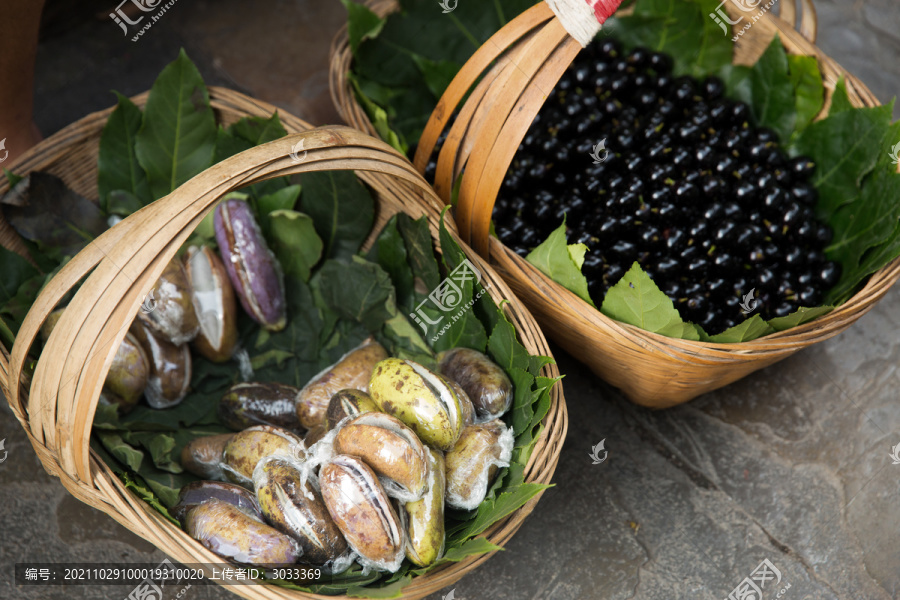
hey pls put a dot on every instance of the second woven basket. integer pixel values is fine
(651, 369)
(56, 401)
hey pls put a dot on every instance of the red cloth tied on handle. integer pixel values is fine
(603, 9)
(582, 18)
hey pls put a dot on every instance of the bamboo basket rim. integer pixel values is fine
(56, 404)
(801, 41)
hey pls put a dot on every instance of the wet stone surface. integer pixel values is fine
(789, 465)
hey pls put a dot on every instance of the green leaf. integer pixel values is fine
(577, 252)
(809, 91)
(405, 341)
(143, 492)
(106, 417)
(341, 208)
(43, 209)
(636, 300)
(769, 91)
(488, 313)
(491, 511)
(19, 287)
(365, 300)
(866, 222)
(122, 203)
(208, 382)
(798, 317)
(279, 357)
(420, 253)
(258, 130)
(394, 72)
(228, 144)
(404, 250)
(165, 485)
(394, 590)
(245, 134)
(537, 363)
(459, 324)
(541, 401)
(300, 339)
(558, 262)
(11, 178)
(16, 271)
(472, 547)
(737, 82)
(283, 199)
(338, 584)
(121, 450)
(437, 74)
(747, 330)
(379, 118)
(522, 409)
(715, 50)
(160, 446)
(845, 148)
(19, 305)
(7, 337)
(680, 28)
(294, 242)
(542, 388)
(389, 251)
(504, 347)
(178, 136)
(362, 23)
(873, 260)
(117, 165)
(840, 100)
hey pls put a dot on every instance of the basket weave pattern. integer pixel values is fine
(503, 82)
(57, 402)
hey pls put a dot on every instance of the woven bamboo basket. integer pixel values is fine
(651, 369)
(56, 404)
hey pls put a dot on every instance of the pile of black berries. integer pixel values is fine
(708, 204)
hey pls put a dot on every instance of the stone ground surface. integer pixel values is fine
(791, 464)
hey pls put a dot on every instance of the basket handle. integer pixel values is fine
(498, 122)
(523, 89)
(808, 25)
(471, 72)
(124, 263)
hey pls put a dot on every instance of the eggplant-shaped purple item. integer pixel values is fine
(253, 269)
